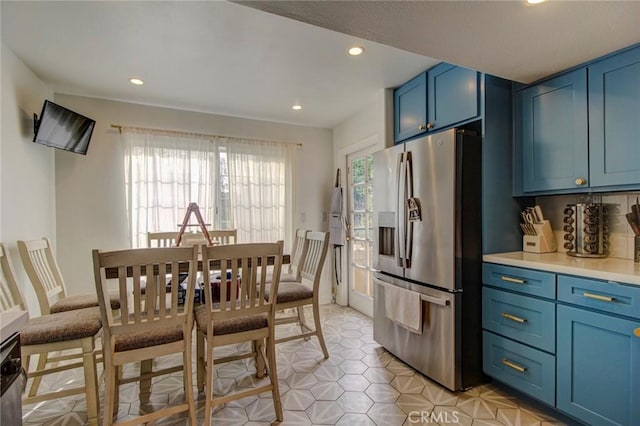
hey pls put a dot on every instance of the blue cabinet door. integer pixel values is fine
(452, 94)
(614, 116)
(554, 134)
(598, 367)
(410, 108)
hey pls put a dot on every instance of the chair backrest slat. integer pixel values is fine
(318, 243)
(43, 272)
(10, 297)
(146, 270)
(162, 239)
(240, 262)
(298, 251)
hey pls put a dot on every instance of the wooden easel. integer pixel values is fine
(193, 208)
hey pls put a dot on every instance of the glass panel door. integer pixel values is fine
(360, 246)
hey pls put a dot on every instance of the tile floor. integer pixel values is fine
(360, 384)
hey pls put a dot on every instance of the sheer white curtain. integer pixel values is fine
(163, 173)
(261, 183)
(238, 183)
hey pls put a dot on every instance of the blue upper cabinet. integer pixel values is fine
(614, 120)
(452, 94)
(554, 133)
(410, 108)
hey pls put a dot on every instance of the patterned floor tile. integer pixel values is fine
(353, 366)
(378, 375)
(386, 414)
(408, 384)
(326, 391)
(325, 412)
(476, 406)
(328, 373)
(297, 399)
(360, 384)
(355, 402)
(382, 392)
(414, 404)
(354, 382)
(354, 419)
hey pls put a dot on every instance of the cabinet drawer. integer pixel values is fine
(525, 281)
(526, 369)
(602, 295)
(525, 319)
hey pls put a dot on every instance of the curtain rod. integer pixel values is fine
(197, 135)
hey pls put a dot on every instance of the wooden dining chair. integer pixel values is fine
(42, 269)
(291, 272)
(241, 314)
(294, 294)
(153, 324)
(224, 236)
(73, 332)
(162, 239)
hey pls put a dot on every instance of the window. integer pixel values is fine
(237, 183)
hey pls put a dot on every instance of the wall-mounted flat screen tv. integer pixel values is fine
(62, 128)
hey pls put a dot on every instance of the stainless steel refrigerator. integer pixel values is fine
(428, 241)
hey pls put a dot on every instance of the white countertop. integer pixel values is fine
(11, 322)
(608, 268)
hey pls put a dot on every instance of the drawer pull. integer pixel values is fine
(513, 318)
(598, 297)
(637, 332)
(513, 280)
(513, 365)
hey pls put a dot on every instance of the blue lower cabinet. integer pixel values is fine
(529, 370)
(598, 367)
(525, 319)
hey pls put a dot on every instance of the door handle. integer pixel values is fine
(409, 194)
(399, 219)
(435, 300)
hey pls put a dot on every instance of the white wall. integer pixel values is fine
(90, 189)
(370, 127)
(27, 190)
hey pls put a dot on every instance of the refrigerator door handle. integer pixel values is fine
(408, 224)
(400, 216)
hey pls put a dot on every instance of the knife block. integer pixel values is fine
(542, 242)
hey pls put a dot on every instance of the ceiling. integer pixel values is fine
(225, 58)
(213, 56)
(510, 39)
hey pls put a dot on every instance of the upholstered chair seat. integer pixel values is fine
(291, 291)
(230, 326)
(61, 327)
(81, 301)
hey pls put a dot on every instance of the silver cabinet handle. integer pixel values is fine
(513, 318)
(514, 366)
(598, 297)
(513, 280)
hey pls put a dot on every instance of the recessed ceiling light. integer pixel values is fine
(534, 1)
(356, 50)
(297, 107)
(136, 81)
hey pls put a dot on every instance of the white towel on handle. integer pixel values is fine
(404, 307)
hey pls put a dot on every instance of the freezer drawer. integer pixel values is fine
(433, 352)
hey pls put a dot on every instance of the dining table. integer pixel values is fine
(183, 267)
